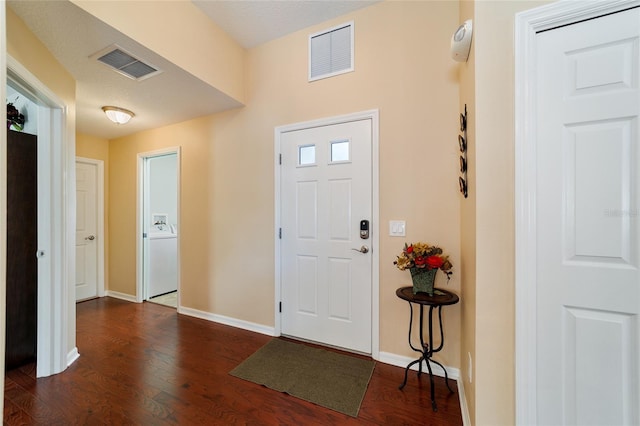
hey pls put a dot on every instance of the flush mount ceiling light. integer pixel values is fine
(118, 115)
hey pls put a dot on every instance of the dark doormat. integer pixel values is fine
(325, 378)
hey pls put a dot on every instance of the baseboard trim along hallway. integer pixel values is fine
(233, 322)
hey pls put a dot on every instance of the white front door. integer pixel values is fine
(588, 207)
(86, 230)
(326, 191)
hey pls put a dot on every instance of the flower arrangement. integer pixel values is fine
(14, 118)
(423, 256)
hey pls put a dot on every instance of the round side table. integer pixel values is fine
(438, 300)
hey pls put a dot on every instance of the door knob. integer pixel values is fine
(363, 249)
(90, 237)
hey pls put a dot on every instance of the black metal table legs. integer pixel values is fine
(427, 350)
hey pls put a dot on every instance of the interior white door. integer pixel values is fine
(326, 190)
(86, 230)
(588, 195)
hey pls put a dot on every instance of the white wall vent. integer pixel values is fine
(331, 52)
(125, 63)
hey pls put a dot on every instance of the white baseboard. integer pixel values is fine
(72, 356)
(233, 322)
(403, 361)
(123, 296)
(466, 419)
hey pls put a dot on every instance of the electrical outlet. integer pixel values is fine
(470, 368)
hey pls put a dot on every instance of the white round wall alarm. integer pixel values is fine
(461, 42)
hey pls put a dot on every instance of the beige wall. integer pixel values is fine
(195, 141)
(495, 240)
(227, 240)
(96, 148)
(24, 47)
(468, 222)
(89, 146)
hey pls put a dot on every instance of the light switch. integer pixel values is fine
(397, 228)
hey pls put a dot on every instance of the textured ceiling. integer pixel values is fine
(72, 36)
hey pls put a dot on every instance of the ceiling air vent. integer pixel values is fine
(125, 63)
(331, 52)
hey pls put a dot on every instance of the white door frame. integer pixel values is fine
(142, 156)
(527, 24)
(56, 225)
(3, 195)
(372, 115)
(100, 235)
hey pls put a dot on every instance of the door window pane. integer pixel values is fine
(307, 155)
(340, 151)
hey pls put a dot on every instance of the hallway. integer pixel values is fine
(144, 364)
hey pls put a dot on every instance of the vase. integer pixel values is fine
(423, 280)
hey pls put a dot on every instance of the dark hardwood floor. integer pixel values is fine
(144, 364)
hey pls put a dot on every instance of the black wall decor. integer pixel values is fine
(462, 143)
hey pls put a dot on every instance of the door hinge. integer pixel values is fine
(280, 233)
(280, 307)
(280, 159)
(144, 235)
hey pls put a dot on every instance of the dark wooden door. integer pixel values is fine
(22, 240)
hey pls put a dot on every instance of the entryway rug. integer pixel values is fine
(325, 378)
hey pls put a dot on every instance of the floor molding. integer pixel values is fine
(466, 419)
(72, 356)
(402, 361)
(123, 296)
(233, 322)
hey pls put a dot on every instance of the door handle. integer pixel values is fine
(363, 249)
(90, 237)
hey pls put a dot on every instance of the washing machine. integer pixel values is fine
(163, 261)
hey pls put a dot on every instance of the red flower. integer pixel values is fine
(409, 249)
(433, 262)
(420, 261)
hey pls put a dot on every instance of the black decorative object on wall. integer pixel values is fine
(462, 143)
